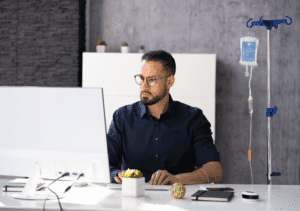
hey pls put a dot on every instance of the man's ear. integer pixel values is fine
(171, 81)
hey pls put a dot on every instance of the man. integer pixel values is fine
(162, 138)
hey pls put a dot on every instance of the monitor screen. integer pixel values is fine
(62, 126)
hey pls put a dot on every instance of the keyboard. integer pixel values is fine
(147, 186)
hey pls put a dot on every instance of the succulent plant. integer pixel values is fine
(142, 47)
(100, 42)
(124, 44)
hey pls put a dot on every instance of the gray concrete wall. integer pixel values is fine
(216, 27)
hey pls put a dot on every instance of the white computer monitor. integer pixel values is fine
(62, 129)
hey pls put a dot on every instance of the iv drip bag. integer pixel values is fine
(249, 47)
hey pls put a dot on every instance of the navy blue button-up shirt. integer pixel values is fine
(176, 142)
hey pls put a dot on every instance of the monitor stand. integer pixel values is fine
(29, 191)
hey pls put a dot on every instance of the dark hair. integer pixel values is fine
(165, 58)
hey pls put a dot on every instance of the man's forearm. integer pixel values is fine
(212, 169)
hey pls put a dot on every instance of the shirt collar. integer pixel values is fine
(144, 109)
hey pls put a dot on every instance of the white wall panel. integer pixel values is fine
(114, 71)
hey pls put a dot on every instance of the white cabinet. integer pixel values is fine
(195, 81)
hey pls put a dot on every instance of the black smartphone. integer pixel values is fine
(219, 189)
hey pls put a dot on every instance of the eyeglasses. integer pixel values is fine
(150, 81)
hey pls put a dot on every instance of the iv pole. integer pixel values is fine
(270, 111)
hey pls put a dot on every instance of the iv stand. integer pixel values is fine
(270, 111)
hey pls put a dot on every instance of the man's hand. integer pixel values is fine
(119, 177)
(162, 178)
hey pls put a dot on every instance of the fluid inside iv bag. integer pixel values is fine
(249, 47)
(248, 51)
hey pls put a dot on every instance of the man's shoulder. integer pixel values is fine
(185, 108)
(195, 115)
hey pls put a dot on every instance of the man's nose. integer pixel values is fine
(144, 85)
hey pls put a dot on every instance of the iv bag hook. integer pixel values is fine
(278, 21)
(290, 22)
(248, 22)
(268, 23)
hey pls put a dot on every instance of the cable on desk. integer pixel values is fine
(66, 190)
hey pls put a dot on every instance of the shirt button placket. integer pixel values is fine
(157, 142)
(157, 145)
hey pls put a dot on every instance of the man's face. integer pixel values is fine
(151, 95)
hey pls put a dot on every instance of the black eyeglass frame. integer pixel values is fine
(149, 78)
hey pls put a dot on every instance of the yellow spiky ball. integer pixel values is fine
(177, 190)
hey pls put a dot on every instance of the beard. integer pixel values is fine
(145, 100)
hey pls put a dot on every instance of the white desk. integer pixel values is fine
(97, 197)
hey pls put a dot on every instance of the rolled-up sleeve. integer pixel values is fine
(205, 150)
(114, 145)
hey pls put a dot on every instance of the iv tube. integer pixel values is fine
(250, 88)
(250, 100)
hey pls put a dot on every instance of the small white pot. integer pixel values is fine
(141, 51)
(133, 187)
(124, 49)
(100, 48)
